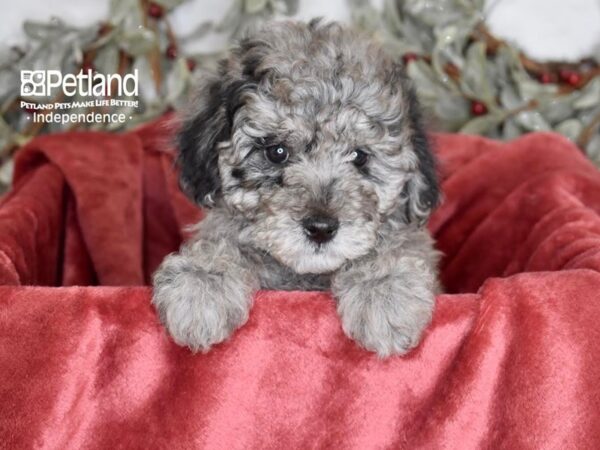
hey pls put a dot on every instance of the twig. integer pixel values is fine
(154, 55)
(529, 106)
(537, 68)
(588, 132)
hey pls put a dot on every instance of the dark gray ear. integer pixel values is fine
(197, 143)
(422, 190)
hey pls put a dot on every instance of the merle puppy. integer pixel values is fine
(308, 149)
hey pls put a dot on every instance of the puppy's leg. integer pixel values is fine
(386, 299)
(204, 292)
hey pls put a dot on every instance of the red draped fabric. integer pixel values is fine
(511, 360)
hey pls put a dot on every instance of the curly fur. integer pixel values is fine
(321, 90)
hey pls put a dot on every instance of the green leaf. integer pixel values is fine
(44, 31)
(482, 125)
(530, 89)
(508, 68)
(587, 115)
(292, 7)
(5, 132)
(107, 59)
(475, 80)
(8, 57)
(392, 18)
(119, 10)
(232, 19)
(437, 13)
(6, 172)
(424, 78)
(9, 85)
(593, 149)
(509, 98)
(557, 108)
(147, 89)
(366, 18)
(532, 121)
(137, 42)
(57, 53)
(169, 4)
(571, 128)
(255, 6)
(417, 35)
(452, 109)
(177, 80)
(104, 39)
(511, 130)
(21, 139)
(589, 96)
(199, 32)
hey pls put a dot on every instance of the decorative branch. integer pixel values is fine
(467, 78)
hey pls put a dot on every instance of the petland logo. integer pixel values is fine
(103, 107)
(41, 83)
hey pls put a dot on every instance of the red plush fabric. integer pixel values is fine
(511, 360)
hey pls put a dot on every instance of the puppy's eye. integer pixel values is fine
(277, 154)
(359, 157)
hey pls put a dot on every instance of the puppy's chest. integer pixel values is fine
(278, 277)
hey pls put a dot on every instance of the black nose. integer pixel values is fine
(320, 229)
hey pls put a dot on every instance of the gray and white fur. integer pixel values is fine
(308, 151)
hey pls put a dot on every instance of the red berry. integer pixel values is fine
(155, 11)
(570, 77)
(409, 57)
(191, 64)
(87, 66)
(563, 74)
(547, 78)
(574, 79)
(171, 51)
(478, 108)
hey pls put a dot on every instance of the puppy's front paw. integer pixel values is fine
(386, 318)
(200, 309)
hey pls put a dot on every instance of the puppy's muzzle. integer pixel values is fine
(320, 229)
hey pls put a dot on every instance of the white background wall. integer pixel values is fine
(546, 29)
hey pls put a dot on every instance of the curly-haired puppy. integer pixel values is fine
(308, 148)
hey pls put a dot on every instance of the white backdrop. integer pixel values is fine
(545, 29)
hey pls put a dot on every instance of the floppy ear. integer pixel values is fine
(421, 192)
(197, 143)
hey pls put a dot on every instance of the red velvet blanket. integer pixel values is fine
(511, 360)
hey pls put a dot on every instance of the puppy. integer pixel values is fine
(308, 150)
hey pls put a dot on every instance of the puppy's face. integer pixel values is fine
(312, 135)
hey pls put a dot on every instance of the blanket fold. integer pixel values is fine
(511, 360)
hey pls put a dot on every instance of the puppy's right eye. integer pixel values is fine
(277, 154)
(359, 157)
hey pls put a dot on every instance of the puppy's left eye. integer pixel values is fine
(277, 154)
(359, 157)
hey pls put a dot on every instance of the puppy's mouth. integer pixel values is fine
(324, 246)
(313, 259)
(313, 243)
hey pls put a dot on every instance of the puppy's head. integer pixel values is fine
(312, 134)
